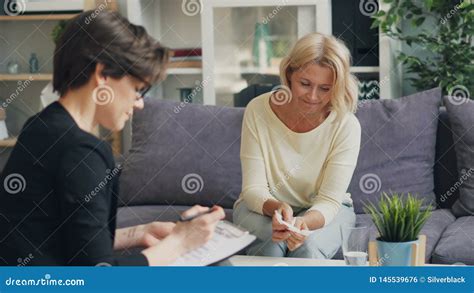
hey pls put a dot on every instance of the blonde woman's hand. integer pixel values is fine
(279, 231)
(295, 240)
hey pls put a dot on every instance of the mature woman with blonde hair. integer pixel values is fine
(300, 144)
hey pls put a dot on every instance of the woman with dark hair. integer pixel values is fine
(64, 211)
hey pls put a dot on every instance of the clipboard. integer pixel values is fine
(228, 239)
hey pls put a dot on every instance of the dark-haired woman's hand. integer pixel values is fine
(198, 231)
(154, 232)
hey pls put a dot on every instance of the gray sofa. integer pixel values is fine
(186, 154)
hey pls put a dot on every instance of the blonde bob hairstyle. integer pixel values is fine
(330, 52)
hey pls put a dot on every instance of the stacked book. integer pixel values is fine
(186, 58)
(3, 125)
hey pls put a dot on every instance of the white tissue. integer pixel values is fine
(291, 226)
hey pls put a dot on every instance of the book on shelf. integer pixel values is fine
(185, 64)
(3, 125)
(186, 52)
(186, 58)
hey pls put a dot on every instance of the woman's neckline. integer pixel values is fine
(282, 124)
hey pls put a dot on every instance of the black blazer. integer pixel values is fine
(58, 196)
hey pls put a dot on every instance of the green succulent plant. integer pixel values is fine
(398, 218)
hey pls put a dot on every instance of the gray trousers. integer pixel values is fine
(321, 244)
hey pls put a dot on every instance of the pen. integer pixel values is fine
(190, 218)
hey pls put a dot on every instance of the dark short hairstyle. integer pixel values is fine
(108, 38)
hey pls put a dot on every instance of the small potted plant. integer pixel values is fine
(399, 220)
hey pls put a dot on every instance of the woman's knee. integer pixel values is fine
(256, 224)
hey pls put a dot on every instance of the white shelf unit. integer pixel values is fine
(166, 20)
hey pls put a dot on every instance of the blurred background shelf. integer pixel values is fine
(37, 17)
(184, 71)
(365, 69)
(9, 142)
(26, 76)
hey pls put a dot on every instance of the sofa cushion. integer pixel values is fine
(457, 243)
(397, 148)
(136, 215)
(461, 115)
(433, 229)
(445, 169)
(183, 154)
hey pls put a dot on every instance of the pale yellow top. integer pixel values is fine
(308, 170)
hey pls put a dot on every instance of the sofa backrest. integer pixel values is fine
(185, 154)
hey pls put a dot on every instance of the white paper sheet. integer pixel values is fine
(228, 239)
(291, 226)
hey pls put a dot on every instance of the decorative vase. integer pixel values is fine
(262, 47)
(186, 95)
(13, 67)
(34, 63)
(395, 253)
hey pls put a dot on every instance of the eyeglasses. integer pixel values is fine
(141, 93)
